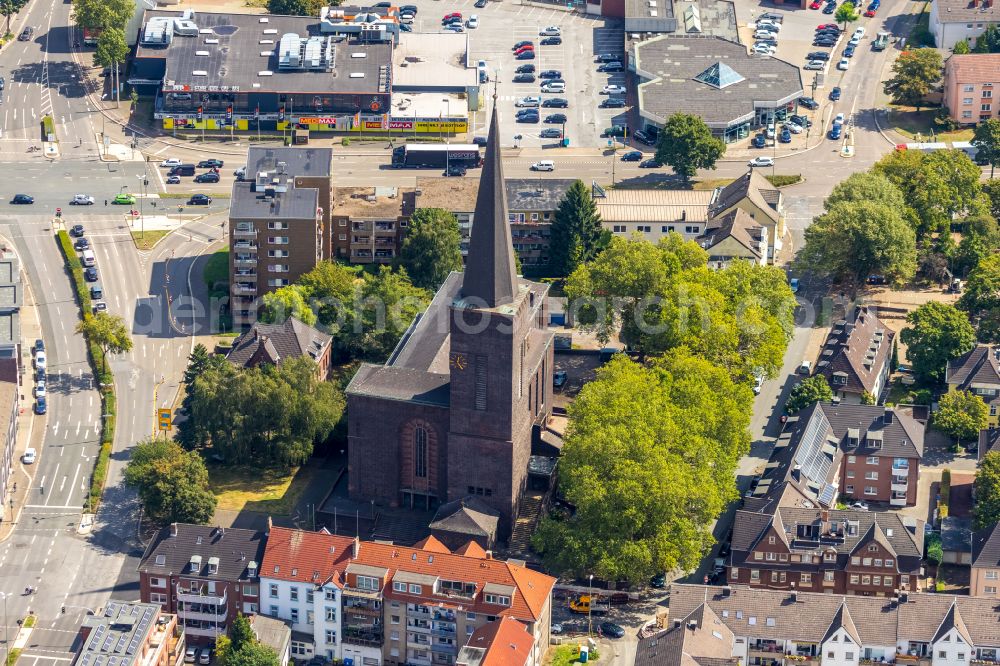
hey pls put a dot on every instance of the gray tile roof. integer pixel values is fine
(845, 360)
(235, 548)
(736, 224)
(986, 547)
(966, 11)
(304, 162)
(236, 61)
(467, 515)
(670, 64)
(956, 534)
(980, 366)
(843, 620)
(490, 276)
(903, 437)
(989, 441)
(274, 343)
(752, 186)
(699, 637)
(536, 194)
(298, 203)
(398, 383)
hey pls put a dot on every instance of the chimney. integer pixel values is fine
(222, 531)
(727, 591)
(795, 596)
(887, 416)
(902, 597)
(357, 548)
(256, 333)
(677, 623)
(173, 529)
(693, 625)
(824, 515)
(270, 524)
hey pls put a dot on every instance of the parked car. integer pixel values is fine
(830, 8)
(859, 506)
(555, 118)
(528, 118)
(814, 65)
(40, 389)
(612, 630)
(521, 44)
(611, 67)
(551, 41)
(631, 156)
(608, 57)
(835, 132)
(613, 103)
(559, 378)
(759, 141)
(839, 119)
(800, 120)
(849, 52)
(643, 137)
(543, 165)
(81, 244)
(525, 55)
(90, 274)
(613, 89)
(479, 140)
(818, 55)
(40, 359)
(454, 28)
(808, 102)
(556, 102)
(29, 457)
(100, 307)
(524, 78)
(550, 133)
(455, 170)
(651, 163)
(614, 130)
(473, 22)
(794, 128)
(525, 69)
(785, 136)
(550, 30)
(549, 74)
(204, 656)
(480, 4)
(532, 101)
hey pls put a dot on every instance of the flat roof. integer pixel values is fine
(649, 205)
(299, 162)
(455, 194)
(368, 202)
(298, 203)
(429, 104)
(231, 51)
(670, 63)
(433, 59)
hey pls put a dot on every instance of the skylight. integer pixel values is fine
(720, 75)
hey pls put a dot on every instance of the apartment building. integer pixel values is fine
(952, 21)
(278, 222)
(503, 642)
(655, 213)
(969, 83)
(130, 634)
(852, 451)
(978, 371)
(821, 550)
(206, 575)
(8, 431)
(367, 223)
(984, 578)
(792, 628)
(855, 358)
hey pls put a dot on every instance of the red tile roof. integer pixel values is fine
(431, 545)
(506, 641)
(298, 555)
(472, 549)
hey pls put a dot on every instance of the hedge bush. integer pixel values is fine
(945, 490)
(780, 180)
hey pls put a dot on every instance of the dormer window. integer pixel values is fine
(252, 570)
(213, 565)
(497, 600)
(830, 556)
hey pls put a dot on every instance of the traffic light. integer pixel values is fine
(64, 610)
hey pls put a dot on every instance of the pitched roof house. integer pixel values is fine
(734, 235)
(861, 451)
(761, 200)
(978, 371)
(984, 580)
(699, 638)
(820, 550)
(952, 21)
(275, 343)
(855, 358)
(503, 642)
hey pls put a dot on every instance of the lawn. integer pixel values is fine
(217, 268)
(272, 491)
(146, 240)
(920, 125)
(564, 655)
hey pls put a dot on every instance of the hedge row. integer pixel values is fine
(98, 365)
(781, 180)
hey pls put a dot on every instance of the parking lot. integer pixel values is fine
(503, 24)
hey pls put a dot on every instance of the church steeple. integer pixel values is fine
(490, 274)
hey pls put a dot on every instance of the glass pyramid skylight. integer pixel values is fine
(719, 75)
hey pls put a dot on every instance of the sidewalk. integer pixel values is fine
(30, 428)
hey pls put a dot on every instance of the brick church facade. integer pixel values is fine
(453, 411)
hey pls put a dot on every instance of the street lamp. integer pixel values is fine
(145, 181)
(6, 639)
(590, 602)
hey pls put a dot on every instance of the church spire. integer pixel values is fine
(489, 270)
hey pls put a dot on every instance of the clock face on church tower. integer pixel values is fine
(458, 361)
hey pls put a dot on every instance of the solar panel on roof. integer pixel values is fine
(122, 641)
(810, 457)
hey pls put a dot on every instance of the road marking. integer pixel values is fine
(52, 506)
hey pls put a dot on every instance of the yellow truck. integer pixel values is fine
(585, 604)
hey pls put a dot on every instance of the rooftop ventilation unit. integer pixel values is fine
(185, 28)
(290, 51)
(158, 32)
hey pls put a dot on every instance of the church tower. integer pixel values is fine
(500, 357)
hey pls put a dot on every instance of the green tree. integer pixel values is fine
(845, 14)
(935, 552)
(853, 240)
(111, 52)
(961, 414)
(388, 304)
(868, 399)
(290, 301)
(10, 7)
(172, 483)
(988, 41)
(981, 299)
(894, 359)
(686, 144)
(108, 332)
(961, 47)
(432, 247)
(101, 14)
(808, 392)
(198, 360)
(644, 503)
(986, 141)
(866, 186)
(915, 73)
(576, 234)
(980, 236)
(241, 647)
(288, 7)
(936, 333)
(986, 510)
(330, 288)
(991, 189)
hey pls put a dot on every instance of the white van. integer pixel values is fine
(88, 258)
(544, 165)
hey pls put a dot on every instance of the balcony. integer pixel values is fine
(245, 260)
(361, 226)
(897, 500)
(899, 484)
(418, 612)
(385, 227)
(246, 272)
(244, 288)
(361, 240)
(418, 626)
(445, 648)
(245, 233)
(202, 615)
(212, 632)
(362, 637)
(196, 597)
(441, 631)
(912, 660)
(244, 245)
(901, 464)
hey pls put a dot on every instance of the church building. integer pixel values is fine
(453, 411)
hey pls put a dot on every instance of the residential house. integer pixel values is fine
(367, 223)
(9, 407)
(978, 371)
(278, 219)
(274, 634)
(822, 550)
(854, 451)
(654, 213)
(11, 298)
(531, 208)
(969, 82)
(794, 627)
(503, 642)
(700, 638)
(984, 579)
(130, 634)
(206, 575)
(734, 235)
(274, 343)
(989, 441)
(856, 357)
(761, 200)
(951, 21)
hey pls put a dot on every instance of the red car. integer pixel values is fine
(815, 4)
(870, 13)
(452, 15)
(824, 26)
(526, 47)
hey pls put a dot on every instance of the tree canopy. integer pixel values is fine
(241, 647)
(10, 7)
(686, 144)
(808, 392)
(107, 331)
(660, 297)
(986, 509)
(576, 235)
(989, 40)
(986, 141)
(172, 483)
(101, 14)
(846, 13)
(935, 334)
(961, 414)
(648, 463)
(981, 299)
(915, 73)
(290, 301)
(432, 247)
(262, 415)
